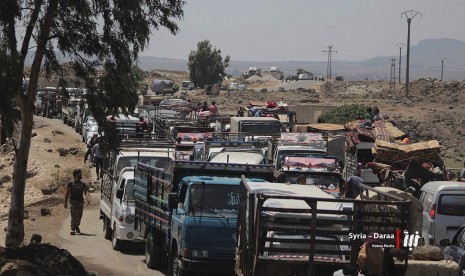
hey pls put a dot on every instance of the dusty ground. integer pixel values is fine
(45, 170)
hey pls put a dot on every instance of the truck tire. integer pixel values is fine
(174, 268)
(153, 252)
(65, 120)
(107, 228)
(115, 242)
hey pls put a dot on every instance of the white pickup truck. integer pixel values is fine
(117, 205)
(117, 202)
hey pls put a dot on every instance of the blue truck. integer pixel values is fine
(188, 213)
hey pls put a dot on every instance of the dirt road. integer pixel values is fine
(90, 247)
(95, 252)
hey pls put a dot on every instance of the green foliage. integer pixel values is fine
(206, 66)
(344, 114)
(93, 35)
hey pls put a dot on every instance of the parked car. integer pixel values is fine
(443, 210)
(455, 249)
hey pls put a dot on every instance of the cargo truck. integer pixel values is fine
(188, 214)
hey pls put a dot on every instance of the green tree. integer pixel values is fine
(344, 114)
(93, 34)
(206, 66)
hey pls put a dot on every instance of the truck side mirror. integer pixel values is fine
(444, 242)
(119, 194)
(173, 201)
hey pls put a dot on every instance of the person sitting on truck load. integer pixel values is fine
(377, 116)
(98, 156)
(353, 185)
(369, 115)
(204, 107)
(213, 108)
(75, 191)
(142, 126)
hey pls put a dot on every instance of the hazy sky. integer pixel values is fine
(272, 30)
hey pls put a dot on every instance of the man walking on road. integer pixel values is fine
(75, 192)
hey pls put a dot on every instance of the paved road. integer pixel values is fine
(96, 253)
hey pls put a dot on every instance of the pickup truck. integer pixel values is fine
(301, 230)
(117, 206)
(188, 213)
(117, 202)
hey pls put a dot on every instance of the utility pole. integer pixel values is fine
(328, 69)
(400, 45)
(410, 15)
(442, 68)
(392, 80)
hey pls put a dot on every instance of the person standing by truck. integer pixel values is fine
(90, 144)
(75, 191)
(98, 156)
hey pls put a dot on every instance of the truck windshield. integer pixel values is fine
(269, 128)
(131, 161)
(209, 200)
(296, 152)
(325, 182)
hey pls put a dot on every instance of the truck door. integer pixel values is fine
(179, 214)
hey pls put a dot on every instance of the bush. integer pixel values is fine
(344, 114)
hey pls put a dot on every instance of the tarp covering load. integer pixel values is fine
(317, 127)
(360, 132)
(388, 153)
(394, 131)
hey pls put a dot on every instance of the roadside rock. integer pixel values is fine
(57, 132)
(5, 179)
(427, 253)
(39, 259)
(62, 151)
(73, 151)
(44, 211)
(46, 140)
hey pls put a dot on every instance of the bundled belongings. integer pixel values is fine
(390, 153)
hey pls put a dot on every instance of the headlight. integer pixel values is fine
(200, 253)
(130, 219)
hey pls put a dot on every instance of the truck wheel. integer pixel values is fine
(65, 120)
(174, 264)
(153, 252)
(115, 242)
(106, 228)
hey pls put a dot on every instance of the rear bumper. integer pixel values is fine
(122, 232)
(209, 266)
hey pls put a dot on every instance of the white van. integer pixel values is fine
(443, 210)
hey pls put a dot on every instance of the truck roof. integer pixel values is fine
(255, 119)
(238, 157)
(218, 179)
(280, 189)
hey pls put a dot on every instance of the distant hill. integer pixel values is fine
(425, 62)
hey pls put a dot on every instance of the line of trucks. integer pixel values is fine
(196, 215)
